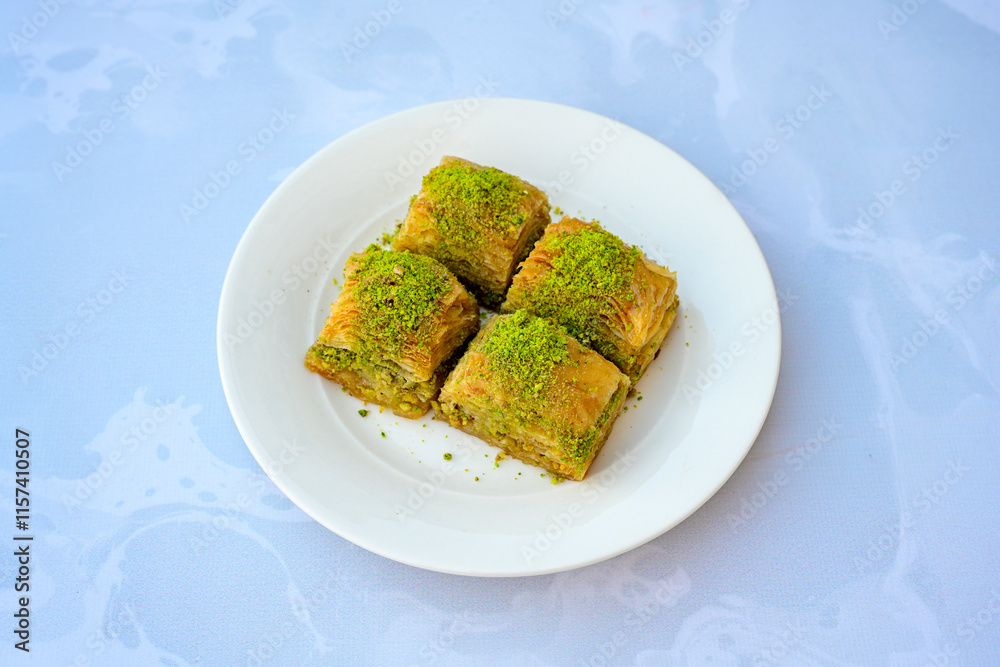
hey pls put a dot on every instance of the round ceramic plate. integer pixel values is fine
(383, 482)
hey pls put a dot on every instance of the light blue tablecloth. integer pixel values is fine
(859, 141)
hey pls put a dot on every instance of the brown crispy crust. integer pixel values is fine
(644, 357)
(522, 449)
(411, 402)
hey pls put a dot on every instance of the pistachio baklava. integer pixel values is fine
(478, 221)
(526, 386)
(606, 293)
(393, 329)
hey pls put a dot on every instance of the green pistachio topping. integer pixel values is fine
(591, 268)
(389, 237)
(523, 351)
(466, 197)
(396, 292)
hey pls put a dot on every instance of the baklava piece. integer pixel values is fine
(397, 322)
(478, 221)
(607, 294)
(527, 387)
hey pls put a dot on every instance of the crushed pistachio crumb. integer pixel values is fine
(523, 352)
(466, 198)
(363, 413)
(396, 293)
(383, 433)
(447, 456)
(389, 237)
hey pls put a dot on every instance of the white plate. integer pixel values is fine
(704, 399)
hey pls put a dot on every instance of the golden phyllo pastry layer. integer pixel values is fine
(607, 294)
(478, 221)
(527, 387)
(392, 330)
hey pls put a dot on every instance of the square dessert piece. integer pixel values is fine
(607, 294)
(525, 386)
(392, 330)
(478, 221)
